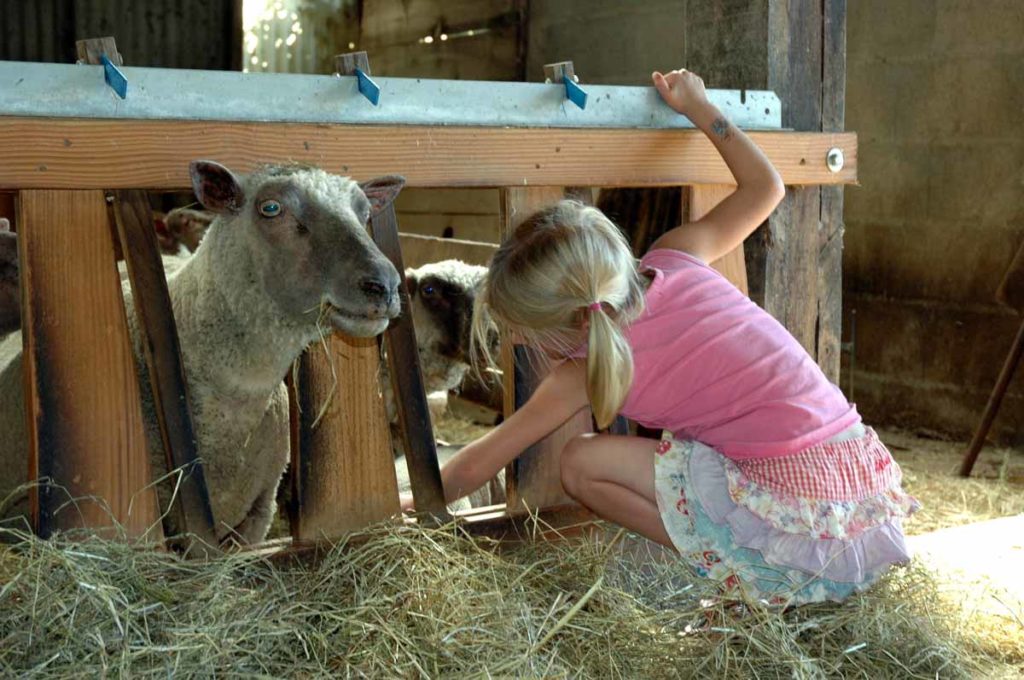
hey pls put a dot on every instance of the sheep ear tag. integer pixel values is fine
(381, 191)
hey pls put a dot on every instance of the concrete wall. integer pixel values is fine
(935, 90)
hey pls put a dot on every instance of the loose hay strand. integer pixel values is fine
(323, 334)
(433, 602)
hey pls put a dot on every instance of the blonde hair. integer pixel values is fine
(563, 265)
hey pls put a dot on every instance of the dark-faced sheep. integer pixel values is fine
(289, 246)
(441, 299)
(10, 293)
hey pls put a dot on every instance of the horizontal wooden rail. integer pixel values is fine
(92, 154)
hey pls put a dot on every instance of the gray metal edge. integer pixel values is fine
(78, 91)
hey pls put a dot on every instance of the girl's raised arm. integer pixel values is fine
(759, 187)
(560, 395)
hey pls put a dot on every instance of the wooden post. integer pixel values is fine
(162, 353)
(533, 480)
(407, 382)
(90, 50)
(159, 339)
(344, 470)
(344, 474)
(82, 402)
(797, 49)
(703, 198)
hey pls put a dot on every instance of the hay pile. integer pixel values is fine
(416, 602)
(930, 473)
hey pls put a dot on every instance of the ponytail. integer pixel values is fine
(541, 285)
(609, 367)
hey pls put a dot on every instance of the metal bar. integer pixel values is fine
(995, 400)
(78, 91)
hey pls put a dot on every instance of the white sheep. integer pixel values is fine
(288, 242)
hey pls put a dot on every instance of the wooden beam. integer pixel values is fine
(533, 480)
(82, 394)
(419, 250)
(162, 352)
(407, 382)
(731, 265)
(85, 154)
(830, 234)
(344, 470)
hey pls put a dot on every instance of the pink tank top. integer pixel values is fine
(711, 365)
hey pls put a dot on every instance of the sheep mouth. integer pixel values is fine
(354, 323)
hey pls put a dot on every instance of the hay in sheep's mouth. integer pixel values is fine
(418, 602)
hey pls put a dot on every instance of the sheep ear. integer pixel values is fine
(216, 187)
(381, 191)
(410, 281)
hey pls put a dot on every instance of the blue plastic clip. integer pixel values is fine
(367, 87)
(574, 93)
(114, 78)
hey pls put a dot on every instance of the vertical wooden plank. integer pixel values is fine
(407, 382)
(830, 241)
(703, 198)
(82, 397)
(345, 478)
(162, 352)
(534, 479)
(794, 73)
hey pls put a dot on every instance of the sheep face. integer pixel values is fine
(182, 229)
(441, 296)
(10, 298)
(305, 230)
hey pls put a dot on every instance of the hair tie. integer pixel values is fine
(595, 306)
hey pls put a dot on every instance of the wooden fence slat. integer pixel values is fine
(731, 265)
(344, 475)
(533, 480)
(407, 382)
(419, 250)
(162, 352)
(85, 154)
(82, 396)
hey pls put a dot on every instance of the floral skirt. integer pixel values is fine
(819, 525)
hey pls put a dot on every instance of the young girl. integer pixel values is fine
(766, 479)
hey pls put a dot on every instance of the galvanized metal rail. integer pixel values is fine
(79, 91)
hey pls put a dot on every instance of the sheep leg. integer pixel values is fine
(257, 521)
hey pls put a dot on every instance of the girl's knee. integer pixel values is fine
(573, 462)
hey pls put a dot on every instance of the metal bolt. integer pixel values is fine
(834, 159)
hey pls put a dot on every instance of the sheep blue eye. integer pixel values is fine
(429, 290)
(270, 208)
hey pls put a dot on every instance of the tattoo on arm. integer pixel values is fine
(720, 126)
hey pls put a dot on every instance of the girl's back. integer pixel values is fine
(711, 365)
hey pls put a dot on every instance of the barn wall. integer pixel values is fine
(200, 34)
(936, 93)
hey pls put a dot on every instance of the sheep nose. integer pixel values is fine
(375, 289)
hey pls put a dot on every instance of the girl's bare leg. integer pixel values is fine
(614, 477)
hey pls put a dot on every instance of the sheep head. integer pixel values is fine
(441, 297)
(305, 230)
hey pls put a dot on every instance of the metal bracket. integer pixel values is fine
(358, 64)
(104, 51)
(563, 72)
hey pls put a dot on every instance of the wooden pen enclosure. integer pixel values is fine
(82, 399)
